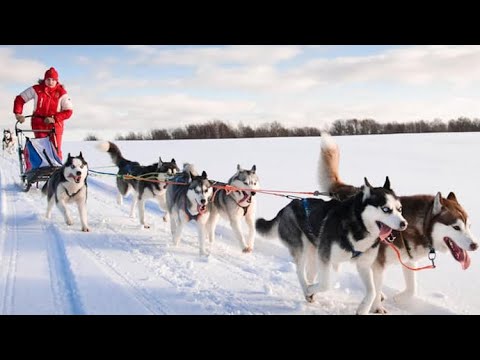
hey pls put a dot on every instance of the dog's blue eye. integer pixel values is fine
(456, 227)
(386, 210)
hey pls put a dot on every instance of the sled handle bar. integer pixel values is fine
(17, 129)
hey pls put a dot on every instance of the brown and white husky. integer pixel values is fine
(435, 223)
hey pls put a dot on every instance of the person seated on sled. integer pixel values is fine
(52, 106)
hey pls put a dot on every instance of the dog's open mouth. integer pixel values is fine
(202, 209)
(458, 254)
(246, 198)
(77, 179)
(385, 231)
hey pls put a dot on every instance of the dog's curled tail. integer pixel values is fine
(112, 149)
(190, 169)
(328, 176)
(266, 228)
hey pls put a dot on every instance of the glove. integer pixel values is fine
(20, 118)
(49, 120)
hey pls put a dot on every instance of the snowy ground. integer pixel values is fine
(47, 267)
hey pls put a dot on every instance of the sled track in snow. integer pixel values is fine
(63, 281)
(9, 251)
(151, 303)
(219, 296)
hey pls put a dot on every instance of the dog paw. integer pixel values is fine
(165, 219)
(311, 290)
(310, 298)
(69, 222)
(362, 310)
(85, 229)
(379, 310)
(145, 226)
(247, 250)
(403, 297)
(383, 297)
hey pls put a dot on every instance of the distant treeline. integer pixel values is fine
(219, 130)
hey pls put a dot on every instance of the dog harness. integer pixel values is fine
(245, 208)
(191, 217)
(355, 253)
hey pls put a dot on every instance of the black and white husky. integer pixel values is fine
(188, 199)
(144, 189)
(235, 206)
(435, 223)
(320, 234)
(9, 141)
(68, 184)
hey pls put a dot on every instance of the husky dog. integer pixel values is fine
(189, 201)
(435, 223)
(68, 184)
(9, 141)
(143, 189)
(320, 234)
(235, 205)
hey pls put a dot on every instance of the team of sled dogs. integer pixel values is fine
(355, 225)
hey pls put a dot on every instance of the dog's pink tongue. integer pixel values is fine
(465, 261)
(385, 232)
(201, 209)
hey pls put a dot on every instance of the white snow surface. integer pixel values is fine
(47, 267)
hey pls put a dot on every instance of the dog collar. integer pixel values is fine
(356, 253)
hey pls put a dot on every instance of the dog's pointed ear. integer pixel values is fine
(366, 189)
(254, 168)
(437, 204)
(387, 184)
(452, 197)
(173, 161)
(80, 156)
(204, 174)
(239, 167)
(69, 156)
(160, 162)
(367, 182)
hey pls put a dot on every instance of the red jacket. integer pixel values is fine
(53, 102)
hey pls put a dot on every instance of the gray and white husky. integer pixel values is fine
(143, 189)
(235, 206)
(435, 224)
(68, 184)
(188, 199)
(320, 234)
(9, 141)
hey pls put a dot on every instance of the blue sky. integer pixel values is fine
(118, 88)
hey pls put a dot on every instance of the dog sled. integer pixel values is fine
(37, 157)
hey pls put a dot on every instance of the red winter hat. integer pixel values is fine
(51, 73)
